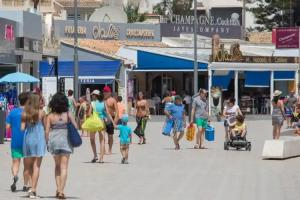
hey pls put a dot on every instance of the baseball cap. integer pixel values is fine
(125, 118)
(107, 89)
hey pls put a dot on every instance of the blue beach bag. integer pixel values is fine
(73, 135)
(167, 129)
(210, 133)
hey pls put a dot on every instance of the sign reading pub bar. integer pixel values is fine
(108, 31)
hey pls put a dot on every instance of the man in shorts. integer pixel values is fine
(200, 114)
(112, 108)
(13, 121)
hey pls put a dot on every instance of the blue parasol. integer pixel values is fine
(18, 77)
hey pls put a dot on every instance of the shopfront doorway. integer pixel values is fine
(161, 84)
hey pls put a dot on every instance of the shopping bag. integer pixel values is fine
(210, 133)
(190, 133)
(93, 123)
(167, 129)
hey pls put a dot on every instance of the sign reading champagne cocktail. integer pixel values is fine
(174, 25)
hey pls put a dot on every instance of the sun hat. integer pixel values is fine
(125, 118)
(96, 92)
(107, 89)
(277, 93)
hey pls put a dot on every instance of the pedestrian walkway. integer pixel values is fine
(156, 171)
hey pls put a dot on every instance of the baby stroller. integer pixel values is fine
(238, 142)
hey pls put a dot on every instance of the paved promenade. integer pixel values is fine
(157, 172)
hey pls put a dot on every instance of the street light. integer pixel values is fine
(76, 86)
(195, 49)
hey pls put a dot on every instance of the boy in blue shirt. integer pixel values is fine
(13, 121)
(176, 112)
(125, 138)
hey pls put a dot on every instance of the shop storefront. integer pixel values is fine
(95, 71)
(22, 42)
(158, 70)
(252, 79)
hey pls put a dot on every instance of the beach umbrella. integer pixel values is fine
(18, 77)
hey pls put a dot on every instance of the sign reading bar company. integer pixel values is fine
(174, 25)
(235, 55)
(287, 38)
(108, 31)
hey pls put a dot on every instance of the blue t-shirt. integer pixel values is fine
(125, 132)
(14, 119)
(176, 111)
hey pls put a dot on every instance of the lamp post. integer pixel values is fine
(76, 85)
(195, 49)
(244, 20)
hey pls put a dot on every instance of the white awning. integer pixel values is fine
(254, 66)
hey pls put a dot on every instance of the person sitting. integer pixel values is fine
(240, 128)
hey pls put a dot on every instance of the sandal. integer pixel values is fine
(196, 146)
(61, 196)
(94, 160)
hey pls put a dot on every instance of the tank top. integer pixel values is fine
(99, 107)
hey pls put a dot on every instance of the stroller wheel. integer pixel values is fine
(248, 147)
(226, 146)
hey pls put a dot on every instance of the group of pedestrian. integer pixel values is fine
(110, 111)
(175, 111)
(285, 108)
(33, 133)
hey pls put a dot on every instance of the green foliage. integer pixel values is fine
(176, 7)
(270, 14)
(133, 15)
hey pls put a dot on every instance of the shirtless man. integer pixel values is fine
(112, 109)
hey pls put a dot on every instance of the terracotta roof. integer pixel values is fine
(111, 47)
(81, 3)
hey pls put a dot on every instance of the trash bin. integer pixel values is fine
(2, 126)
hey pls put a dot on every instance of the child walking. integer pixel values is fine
(13, 121)
(125, 138)
(176, 112)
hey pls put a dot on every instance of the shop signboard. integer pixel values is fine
(287, 38)
(174, 25)
(107, 31)
(235, 55)
(7, 41)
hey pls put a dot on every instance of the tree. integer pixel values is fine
(270, 14)
(132, 13)
(176, 7)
